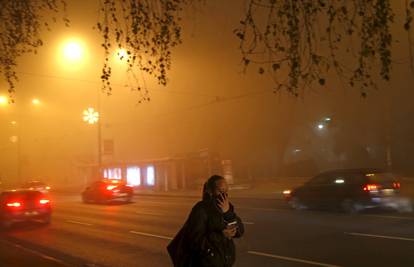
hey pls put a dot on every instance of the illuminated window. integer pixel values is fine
(150, 175)
(113, 173)
(134, 176)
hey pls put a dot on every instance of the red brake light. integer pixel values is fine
(44, 201)
(110, 187)
(371, 187)
(14, 204)
(396, 185)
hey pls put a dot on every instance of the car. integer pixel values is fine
(351, 190)
(36, 186)
(22, 206)
(105, 191)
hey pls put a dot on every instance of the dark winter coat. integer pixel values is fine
(201, 242)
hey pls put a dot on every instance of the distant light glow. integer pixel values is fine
(4, 100)
(339, 181)
(91, 116)
(328, 119)
(35, 101)
(72, 51)
(14, 139)
(321, 126)
(121, 54)
(134, 176)
(13, 122)
(150, 175)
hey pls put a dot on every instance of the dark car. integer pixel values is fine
(105, 191)
(36, 186)
(24, 205)
(350, 190)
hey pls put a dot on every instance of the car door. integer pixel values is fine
(339, 187)
(314, 192)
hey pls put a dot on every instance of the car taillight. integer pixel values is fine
(110, 187)
(396, 185)
(371, 187)
(44, 201)
(14, 204)
(287, 192)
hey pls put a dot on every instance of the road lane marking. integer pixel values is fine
(37, 253)
(382, 236)
(81, 223)
(391, 217)
(290, 259)
(150, 213)
(151, 235)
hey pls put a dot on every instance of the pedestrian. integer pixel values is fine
(206, 239)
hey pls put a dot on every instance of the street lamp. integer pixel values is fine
(91, 117)
(35, 101)
(4, 100)
(72, 51)
(121, 54)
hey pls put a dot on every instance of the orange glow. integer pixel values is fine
(4, 100)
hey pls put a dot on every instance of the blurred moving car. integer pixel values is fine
(24, 205)
(105, 191)
(36, 186)
(350, 190)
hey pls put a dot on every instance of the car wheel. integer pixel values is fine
(297, 204)
(350, 206)
(129, 199)
(47, 220)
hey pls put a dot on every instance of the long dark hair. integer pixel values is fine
(210, 186)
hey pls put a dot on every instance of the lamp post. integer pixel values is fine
(92, 117)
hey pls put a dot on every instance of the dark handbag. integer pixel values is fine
(177, 250)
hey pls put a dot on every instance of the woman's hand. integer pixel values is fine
(230, 232)
(223, 202)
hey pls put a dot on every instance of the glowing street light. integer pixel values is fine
(35, 101)
(90, 116)
(73, 51)
(4, 100)
(122, 54)
(321, 126)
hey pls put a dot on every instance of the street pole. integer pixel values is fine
(99, 125)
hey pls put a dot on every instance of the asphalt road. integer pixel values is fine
(136, 234)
